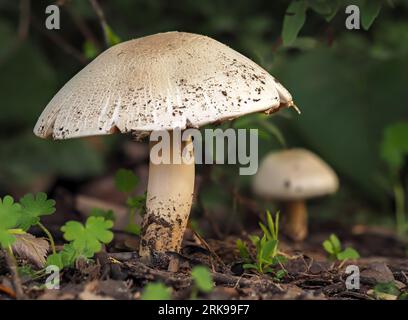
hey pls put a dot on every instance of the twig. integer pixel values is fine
(83, 28)
(167, 277)
(60, 42)
(213, 225)
(49, 236)
(405, 276)
(102, 19)
(12, 265)
(22, 32)
(123, 256)
(207, 246)
(10, 292)
(248, 203)
(185, 280)
(24, 23)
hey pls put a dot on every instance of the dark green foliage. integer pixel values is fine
(126, 180)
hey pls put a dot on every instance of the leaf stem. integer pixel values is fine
(49, 236)
(132, 213)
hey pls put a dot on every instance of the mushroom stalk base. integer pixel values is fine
(169, 196)
(296, 220)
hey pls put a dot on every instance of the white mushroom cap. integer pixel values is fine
(160, 82)
(294, 174)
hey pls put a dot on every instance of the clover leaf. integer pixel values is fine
(87, 240)
(202, 278)
(65, 258)
(156, 291)
(9, 215)
(34, 206)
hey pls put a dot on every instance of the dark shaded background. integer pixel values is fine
(349, 85)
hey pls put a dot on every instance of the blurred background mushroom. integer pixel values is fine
(291, 177)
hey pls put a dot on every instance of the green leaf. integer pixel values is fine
(321, 7)
(369, 12)
(125, 180)
(156, 291)
(243, 250)
(6, 238)
(133, 228)
(87, 240)
(69, 255)
(387, 287)
(335, 242)
(26, 271)
(326, 8)
(327, 245)
(394, 145)
(250, 266)
(294, 20)
(265, 231)
(9, 215)
(334, 6)
(279, 260)
(254, 239)
(274, 131)
(111, 37)
(273, 225)
(348, 253)
(107, 214)
(55, 259)
(280, 274)
(268, 249)
(89, 49)
(66, 257)
(137, 202)
(202, 278)
(33, 207)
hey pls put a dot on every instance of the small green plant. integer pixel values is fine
(107, 214)
(9, 215)
(388, 291)
(394, 149)
(17, 218)
(85, 240)
(203, 281)
(334, 248)
(156, 291)
(126, 181)
(267, 254)
(33, 207)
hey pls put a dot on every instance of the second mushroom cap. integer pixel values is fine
(294, 174)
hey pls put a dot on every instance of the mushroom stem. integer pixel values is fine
(169, 196)
(296, 220)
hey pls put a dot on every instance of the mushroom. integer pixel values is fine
(292, 176)
(162, 82)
